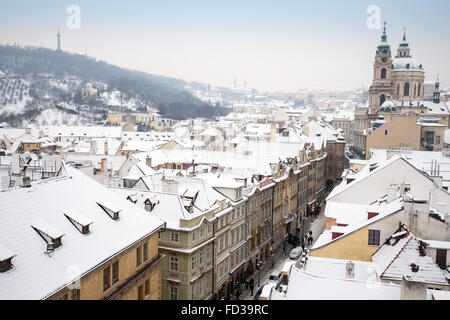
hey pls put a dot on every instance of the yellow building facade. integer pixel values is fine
(134, 274)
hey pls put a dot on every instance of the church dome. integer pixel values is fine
(406, 64)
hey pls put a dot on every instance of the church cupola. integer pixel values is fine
(437, 92)
(388, 106)
(403, 50)
(384, 48)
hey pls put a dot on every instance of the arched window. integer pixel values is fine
(383, 73)
(418, 91)
(406, 90)
(382, 99)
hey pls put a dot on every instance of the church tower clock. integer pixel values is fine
(382, 83)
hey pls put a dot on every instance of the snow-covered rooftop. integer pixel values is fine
(396, 258)
(46, 201)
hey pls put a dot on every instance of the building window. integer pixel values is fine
(75, 294)
(194, 236)
(141, 292)
(173, 293)
(138, 256)
(382, 99)
(115, 272)
(145, 249)
(64, 297)
(383, 73)
(147, 287)
(174, 237)
(385, 132)
(406, 90)
(174, 263)
(374, 237)
(106, 277)
(194, 262)
(201, 257)
(438, 139)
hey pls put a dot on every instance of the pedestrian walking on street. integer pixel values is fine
(252, 286)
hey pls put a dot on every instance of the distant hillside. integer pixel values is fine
(39, 78)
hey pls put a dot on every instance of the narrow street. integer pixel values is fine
(317, 227)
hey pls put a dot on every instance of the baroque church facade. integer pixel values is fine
(398, 90)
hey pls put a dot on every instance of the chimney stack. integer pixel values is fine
(103, 165)
(148, 161)
(93, 147)
(412, 290)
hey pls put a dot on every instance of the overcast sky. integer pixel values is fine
(276, 45)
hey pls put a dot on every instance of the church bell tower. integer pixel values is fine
(381, 84)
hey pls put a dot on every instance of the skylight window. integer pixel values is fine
(6, 256)
(50, 234)
(111, 209)
(79, 221)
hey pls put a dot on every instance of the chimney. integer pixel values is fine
(392, 194)
(105, 148)
(422, 249)
(103, 165)
(350, 270)
(93, 147)
(25, 182)
(412, 290)
(148, 161)
(273, 132)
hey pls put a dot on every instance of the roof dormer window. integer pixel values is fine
(111, 209)
(132, 198)
(150, 205)
(6, 256)
(79, 221)
(50, 234)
